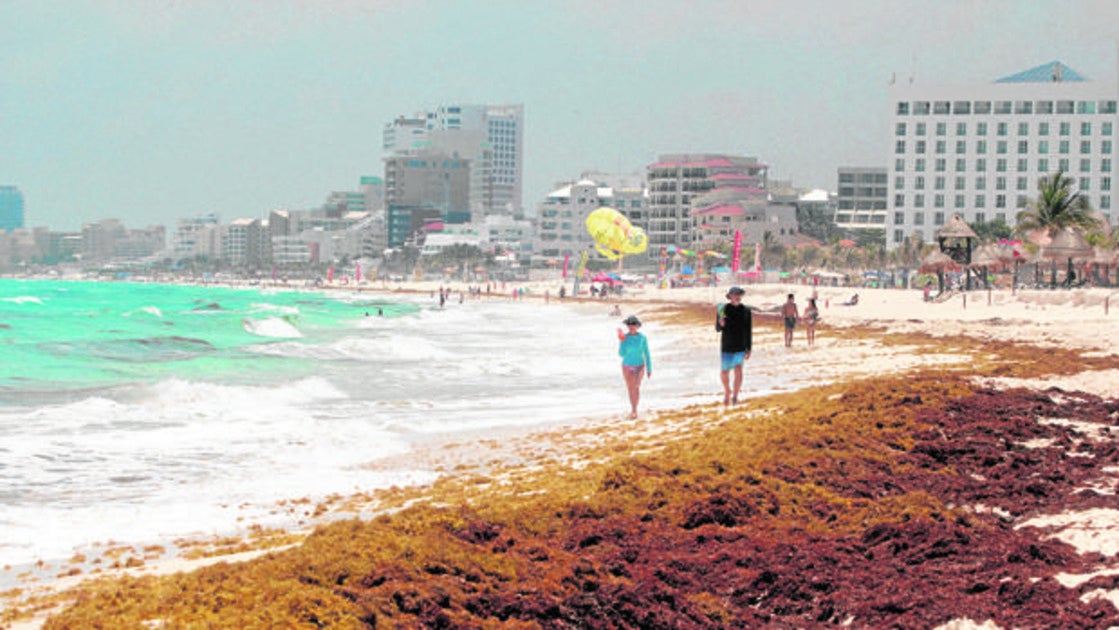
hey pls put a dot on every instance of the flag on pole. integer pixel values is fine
(737, 251)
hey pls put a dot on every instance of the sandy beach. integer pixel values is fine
(1061, 345)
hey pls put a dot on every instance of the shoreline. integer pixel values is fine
(848, 350)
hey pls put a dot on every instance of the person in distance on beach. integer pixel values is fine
(790, 315)
(811, 316)
(633, 347)
(736, 323)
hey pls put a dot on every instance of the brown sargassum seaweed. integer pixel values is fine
(889, 502)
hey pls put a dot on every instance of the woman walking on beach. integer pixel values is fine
(633, 347)
(811, 316)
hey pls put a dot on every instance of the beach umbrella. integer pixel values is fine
(937, 262)
(1068, 244)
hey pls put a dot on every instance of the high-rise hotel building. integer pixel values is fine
(979, 149)
(491, 137)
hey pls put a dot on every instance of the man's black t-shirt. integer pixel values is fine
(737, 328)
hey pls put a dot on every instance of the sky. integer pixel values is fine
(151, 111)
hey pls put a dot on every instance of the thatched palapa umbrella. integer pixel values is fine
(937, 262)
(1068, 244)
(957, 239)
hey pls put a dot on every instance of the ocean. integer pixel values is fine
(142, 413)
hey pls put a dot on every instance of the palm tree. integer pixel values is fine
(1057, 207)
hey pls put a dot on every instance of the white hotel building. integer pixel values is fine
(979, 149)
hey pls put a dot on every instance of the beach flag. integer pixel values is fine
(758, 257)
(330, 274)
(357, 273)
(566, 262)
(737, 251)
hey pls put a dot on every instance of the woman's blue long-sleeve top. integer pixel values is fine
(634, 350)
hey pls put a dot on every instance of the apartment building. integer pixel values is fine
(862, 199)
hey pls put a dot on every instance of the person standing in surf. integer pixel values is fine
(735, 322)
(633, 347)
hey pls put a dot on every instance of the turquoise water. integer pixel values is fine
(143, 413)
(61, 336)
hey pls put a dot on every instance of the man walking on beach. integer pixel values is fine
(736, 323)
(790, 314)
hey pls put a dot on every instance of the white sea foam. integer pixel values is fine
(22, 299)
(271, 327)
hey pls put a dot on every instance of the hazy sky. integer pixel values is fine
(156, 110)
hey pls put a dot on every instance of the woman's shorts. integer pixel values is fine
(732, 359)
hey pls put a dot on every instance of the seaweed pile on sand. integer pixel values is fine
(889, 502)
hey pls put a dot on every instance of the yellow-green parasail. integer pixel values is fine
(613, 234)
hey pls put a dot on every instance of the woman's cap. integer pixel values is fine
(631, 321)
(736, 290)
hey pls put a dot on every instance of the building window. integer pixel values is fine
(981, 165)
(921, 108)
(919, 184)
(961, 107)
(899, 182)
(899, 236)
(980, 183)
(900, 129)
(920, 129)
(1043, 146)
(938, 183)
(1085, 146)
(1000, 201)
(1023, 128)
(1001, 129)
(1043, 165)
(1086, 107)
(1000, 183)
(981, 129)
(982, 107)
(1105, 202)
(918, 218)
(918, 201)
(1107, 107)
(1085, 165)
(981, 147)
(919, 165)
(938, 218)
(1105, 183)
(1062, 147)
(1085, 128)
(1044, 107)
(899, 202)
(1000, 165)
(1105, 147)
(1022, 183)
(1066, 128)
(961, 146)
(1023, 146)
(959, 201)
(1043, 129)
(1105, 165)
(961, 165)
(938, 201)
(941, 128)
(1000, 146)
(961, 183)
(1105, 129)
(941, 146)
(920, 146)
(1003, 107)
(941, 165)
(903, 108)
(1023, 165)
(980, 217)
(941, 107)
(1085, 184)
(961, 129)
(1024, 107)
(899, 146)
(899, 217)
(1062, 165)
(1065, 107)
(980, 201)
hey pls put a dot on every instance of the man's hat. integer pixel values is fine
(738, 290)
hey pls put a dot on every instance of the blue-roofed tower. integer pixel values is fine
(979, 149)
(11, 208)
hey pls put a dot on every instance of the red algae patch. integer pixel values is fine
(894, 502)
